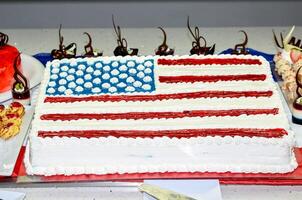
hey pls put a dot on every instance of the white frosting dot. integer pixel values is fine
(51, 90)
(106, 85)
(130, 80)
(89, 70)
(63, 74)
(130, 89)
(96, 90)
(140, 74)
(71, 71)
(140, 67)
(79, 89)
(147, 79)
(65, 68)
(146, 87)
(115, 72)
(90, 61)
(68, 92)
(71, 85)
(148, 63)
(62, 81)
(79, 73)
(96, 81)
(106, 68)
(123, 76)
(106, 61)
(52, 83)
(137, 84)
(88, 85)
(98, 65)
(112, 89)
(54, 76)
(82, 67)
(106, 76)
(114, 80)
(97, 72)
(131, 64)
(70, 78)
(121, 85)
(73, 62)
(61, 88)
(55, 70)
(114, 64)
(80, 81)
(87, 77)
(132, 71)
(148, 71)
(56, 64)
(123, 68)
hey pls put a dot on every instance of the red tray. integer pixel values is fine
(293, 178)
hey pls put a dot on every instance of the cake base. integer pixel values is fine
(293, 178)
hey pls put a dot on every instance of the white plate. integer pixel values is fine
(9, 149)
(33, 70)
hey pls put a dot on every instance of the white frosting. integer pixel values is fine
(62, 82)
(64, 68)
(49, 156)
(80, 81)
(79, 89)
(97, 72)
(98, 65)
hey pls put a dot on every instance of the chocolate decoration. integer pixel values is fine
(20, 89)
(3, 39)
(299, 84)
(163, 49)
(292, 41)
(121, 49)
(277, 42)
(89, 51)
(241, 47)
(196, 47)
(68, 51)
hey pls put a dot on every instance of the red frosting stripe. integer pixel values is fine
(189, 95)
(192, 79)
(158, 115)
(209, 61)
(185, 133)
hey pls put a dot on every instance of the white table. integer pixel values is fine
(32, 41)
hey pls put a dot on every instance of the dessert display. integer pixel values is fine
(241, 47)
(122, 45)
(288, 61)
(20, 88)
(8, 54)
(10, 120)
(163, 49)
(89, 50)
(196, 44)
(108, 115)
(68, 51)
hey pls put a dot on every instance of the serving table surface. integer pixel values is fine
(33, 41)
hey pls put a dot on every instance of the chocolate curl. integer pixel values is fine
(64, 52)
(196, 47)
(241, 47)
(163, 49)
(280, 45)
(121, 49)
(89, 51)
(3, 39)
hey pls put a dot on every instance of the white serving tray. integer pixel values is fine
(9, 149)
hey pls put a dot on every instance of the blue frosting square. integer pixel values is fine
(101, 76)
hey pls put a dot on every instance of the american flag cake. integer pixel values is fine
(110, 115)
